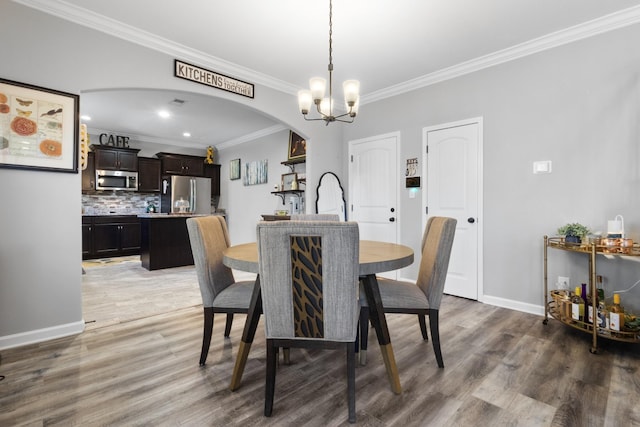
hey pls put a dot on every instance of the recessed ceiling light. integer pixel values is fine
(86, 118)
(164, 114)
(186, 134)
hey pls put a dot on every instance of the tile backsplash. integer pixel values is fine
(123, 202)
(119, 202)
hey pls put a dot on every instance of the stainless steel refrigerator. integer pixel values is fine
(185, 194)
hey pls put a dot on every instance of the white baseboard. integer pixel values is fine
(40, 335)
(514, 305)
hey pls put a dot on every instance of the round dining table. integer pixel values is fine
(375, 257)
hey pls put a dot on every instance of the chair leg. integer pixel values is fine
(286, 358)
(270, 385)
(206, 335)
(364, 334)
(227, 326)
(435, 336)
(423, 327)
(351, 381)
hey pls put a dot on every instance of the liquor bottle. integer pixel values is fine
(577, 306)
(603, 318)
(588, 307)
(616, 314)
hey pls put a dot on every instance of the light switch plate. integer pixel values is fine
(542, 166)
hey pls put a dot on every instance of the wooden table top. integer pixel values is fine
(375, 257)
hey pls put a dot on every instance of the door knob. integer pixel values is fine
(392, 219)
(471, 220)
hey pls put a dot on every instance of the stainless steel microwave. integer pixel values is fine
(116, 180)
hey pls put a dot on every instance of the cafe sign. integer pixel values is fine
(213, 79)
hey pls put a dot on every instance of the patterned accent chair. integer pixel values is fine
(424, 297)
(310, 294)
(220, 292)
(315, 217)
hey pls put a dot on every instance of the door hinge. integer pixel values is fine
(352, 158)
(427, 147)
(426, 210)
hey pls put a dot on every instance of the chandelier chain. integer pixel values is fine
(330, 35)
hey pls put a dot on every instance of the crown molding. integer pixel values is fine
(582, 31)
(251, 136)
(192, 143)
(118, 29)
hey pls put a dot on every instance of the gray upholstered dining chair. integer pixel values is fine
(424, 297)
(309, 282)
(220, 292)
(315, 217)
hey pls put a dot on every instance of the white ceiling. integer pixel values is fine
(390, 46)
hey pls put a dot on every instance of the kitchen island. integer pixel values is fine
(164, 241)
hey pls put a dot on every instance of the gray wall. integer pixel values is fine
(40, 248)
(577, 105)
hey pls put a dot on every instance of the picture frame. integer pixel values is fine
(256, 172)
(287, 181)
(39, 128)
(297, 147)
(234, 169)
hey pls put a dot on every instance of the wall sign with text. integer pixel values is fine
(211, 78)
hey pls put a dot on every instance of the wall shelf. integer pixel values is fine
(284, 193)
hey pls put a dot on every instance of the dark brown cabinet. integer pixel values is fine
(89, 174)
(165, 242)
(87, 237)
(213, 172)
(111, 235)
(111, 158)
(148, 175)
(180, 164)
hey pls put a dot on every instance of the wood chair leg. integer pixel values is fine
(270, 384)
(423, 327)
(206, 335)
(435, 336)
(351, 381)
(227, 326)
(364, 334)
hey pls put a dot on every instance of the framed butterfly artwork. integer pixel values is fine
(39, 128)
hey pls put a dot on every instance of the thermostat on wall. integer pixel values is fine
(413, 182)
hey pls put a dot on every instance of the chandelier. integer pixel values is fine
(317, 86)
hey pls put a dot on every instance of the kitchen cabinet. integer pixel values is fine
(213, 171)
(87, 237)
(149, 175)
(112, 158)
(165, 242)
(180, 164)
(89, 174)
(110, 235)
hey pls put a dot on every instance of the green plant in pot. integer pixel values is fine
(574, 232)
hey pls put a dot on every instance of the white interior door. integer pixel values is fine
(373, 188)
(453, 171)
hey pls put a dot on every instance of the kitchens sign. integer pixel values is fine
(213, 79)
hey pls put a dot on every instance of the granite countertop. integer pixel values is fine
(173, 215)
(149, 215)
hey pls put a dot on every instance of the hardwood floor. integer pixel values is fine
(502, 368)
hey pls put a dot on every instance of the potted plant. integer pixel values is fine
(574, 232)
